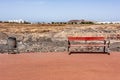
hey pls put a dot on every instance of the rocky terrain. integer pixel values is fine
(37, 38)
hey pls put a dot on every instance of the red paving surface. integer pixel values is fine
(59, 66)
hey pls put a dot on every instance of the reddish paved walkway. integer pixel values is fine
(60, 66)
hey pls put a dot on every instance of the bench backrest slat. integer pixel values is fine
(86, 38)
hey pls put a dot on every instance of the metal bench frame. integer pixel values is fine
(105, 44)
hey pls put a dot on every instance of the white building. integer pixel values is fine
(17, 21)
(107, 22)
(116, 22)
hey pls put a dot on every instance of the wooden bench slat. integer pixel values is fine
(85, 45)
(85, 38)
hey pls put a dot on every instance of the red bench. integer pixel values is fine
(103, 43)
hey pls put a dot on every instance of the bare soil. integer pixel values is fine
(60, 66)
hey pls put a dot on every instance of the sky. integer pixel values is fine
(60, 10)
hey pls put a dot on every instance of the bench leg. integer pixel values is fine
(69, 53)
(69, 48)
(104, 49)
(108, 48)
(108, 51)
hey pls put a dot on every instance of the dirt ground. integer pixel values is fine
(60, 66)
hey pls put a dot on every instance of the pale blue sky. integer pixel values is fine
(60, 10)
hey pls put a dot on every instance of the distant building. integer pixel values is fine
(107, 22)
(16, 21)
(103, 22)
(116, 22)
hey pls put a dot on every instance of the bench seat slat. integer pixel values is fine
(85, 45)
(85, 38)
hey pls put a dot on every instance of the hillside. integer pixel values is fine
(53, 38)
